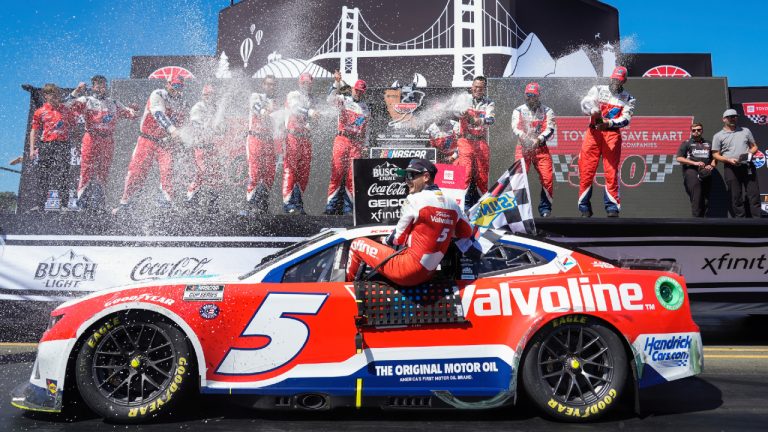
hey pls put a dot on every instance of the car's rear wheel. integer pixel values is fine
(575, 369)
(132, 368)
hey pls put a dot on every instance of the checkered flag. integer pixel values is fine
(505, 207)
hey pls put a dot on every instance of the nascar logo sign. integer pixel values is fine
(392, 153)
(757, 112)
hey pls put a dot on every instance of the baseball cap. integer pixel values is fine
(532, 88)
(619, 73)
(360, 85)
(305, 77)
(176, 81)
(730, 112)
(419, 166)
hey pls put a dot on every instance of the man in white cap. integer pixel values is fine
(734, 146)
(348, 145)
(534, 124)
(298, 145)
(428, 222)
(610, 108)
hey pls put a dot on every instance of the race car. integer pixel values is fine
(570, 331)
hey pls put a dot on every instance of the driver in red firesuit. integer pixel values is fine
(100, 113)
(261, 153)
(206, 121)
(164, 113)
(298, 146)
(534, 124)
(428, 223)
(348, 145)
(610, 108)
(473, 151)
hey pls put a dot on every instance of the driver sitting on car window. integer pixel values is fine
(428, 222)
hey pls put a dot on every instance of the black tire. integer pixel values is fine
(132, 368)
(575, 369)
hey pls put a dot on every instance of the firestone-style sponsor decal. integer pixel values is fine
(593, 409)
(52, 386)
(669, 292)
(163, 399)
(140, 298)
(209, 311)
(580, 296)
(567, 263)
(204, 293)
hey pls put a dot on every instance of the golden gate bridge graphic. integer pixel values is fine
(465, 30)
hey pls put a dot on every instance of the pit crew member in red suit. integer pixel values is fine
(473, 153)
(52, 124)
(428, 223)
(261, 154)
(610, 108)
(298, 146)
(206, 120)
(100, 113)
(348, 145)
(164, 113)
(534, 124)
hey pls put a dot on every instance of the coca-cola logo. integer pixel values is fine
(392, 189)
(148, 269)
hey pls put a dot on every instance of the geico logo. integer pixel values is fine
(163, 399)
(391, 202)
(579, 296)
(408, 154)
(364, 248)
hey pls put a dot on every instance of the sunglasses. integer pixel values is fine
(177, 86)
(733, 116)
(697, 130)
(531, 95)
(410, 175)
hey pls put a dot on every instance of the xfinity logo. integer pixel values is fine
(146, 269)
(579, 296)
(66, 271)
(728, 262)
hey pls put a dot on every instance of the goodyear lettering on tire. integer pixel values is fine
(569, 319)
(593, 409)
(164, 398)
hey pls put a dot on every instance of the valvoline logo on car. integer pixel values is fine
(492, 207)
(758, 159)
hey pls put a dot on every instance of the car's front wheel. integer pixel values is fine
(575, 369)
(132, 368)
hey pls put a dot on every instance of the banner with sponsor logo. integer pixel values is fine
(379, 191)
(647, 151)
(752, 102)
(57, 273)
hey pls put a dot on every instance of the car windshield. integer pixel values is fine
(269, 259)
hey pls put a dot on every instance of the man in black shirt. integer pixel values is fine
(695, 155)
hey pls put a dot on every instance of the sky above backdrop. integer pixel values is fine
(66, 42)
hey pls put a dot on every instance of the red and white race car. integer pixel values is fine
(568, 330)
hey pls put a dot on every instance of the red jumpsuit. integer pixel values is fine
(260, 151)
(54, 126)
(162, 115)
(208, 173)
(348, 145)
(617, 109)
(98, 145)
(428, 222)
(298, 150)
(443, 137)
(528, 125)
(473, 152)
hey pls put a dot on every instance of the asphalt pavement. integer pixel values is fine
(729, 395)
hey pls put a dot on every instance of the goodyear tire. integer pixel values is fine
(575, 369)
(132, 368)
